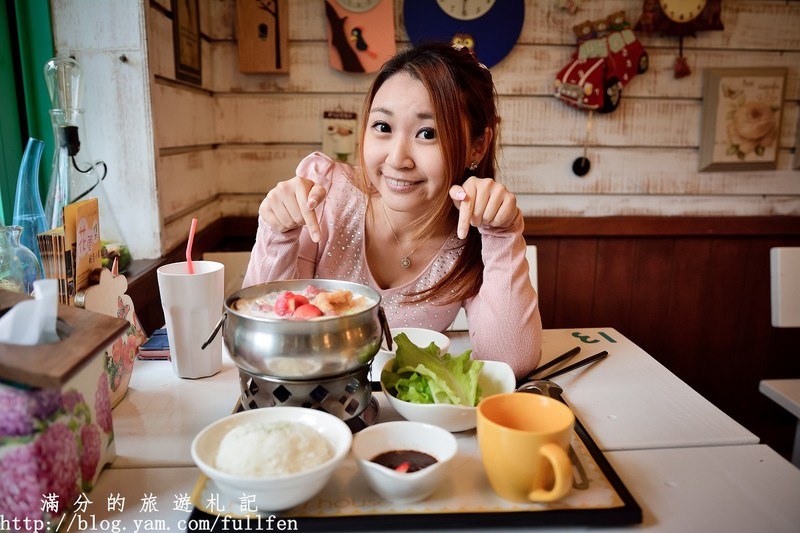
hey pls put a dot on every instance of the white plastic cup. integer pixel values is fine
(192, 307)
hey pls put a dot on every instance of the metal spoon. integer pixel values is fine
(548, 388)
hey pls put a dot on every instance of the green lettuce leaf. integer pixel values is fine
(421, 375)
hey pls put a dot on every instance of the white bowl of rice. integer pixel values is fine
(283, 456)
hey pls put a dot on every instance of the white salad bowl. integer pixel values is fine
(419, 336)
(403, 435)
(273, 493)
(496, 377)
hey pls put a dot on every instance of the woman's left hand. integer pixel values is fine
(483, 202)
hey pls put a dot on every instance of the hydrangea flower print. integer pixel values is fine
(102, 403)
(20, 490)
(15, 420)
(70, 399)
(57, 455)
(20, 409)
(90, 452)
(45, 402)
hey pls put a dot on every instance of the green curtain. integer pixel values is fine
(26, 43)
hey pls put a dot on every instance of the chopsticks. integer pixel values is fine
(582, 362)
(569, 354)
(560, 359)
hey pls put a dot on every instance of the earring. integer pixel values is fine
(473, 166)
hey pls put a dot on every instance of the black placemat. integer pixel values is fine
(627, 514)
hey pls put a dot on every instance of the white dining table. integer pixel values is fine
(628, 400)
(689, 466)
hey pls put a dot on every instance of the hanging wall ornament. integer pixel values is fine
(608, 57)
(339, 135)
(680, 18)
(263, 35)
(581, 165)
(360, 34)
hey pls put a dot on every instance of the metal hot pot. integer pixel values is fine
(302, 350)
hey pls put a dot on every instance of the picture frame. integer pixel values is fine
(796, 162)
(741, 120)
(186, 41)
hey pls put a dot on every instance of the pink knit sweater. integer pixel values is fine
(503, 317)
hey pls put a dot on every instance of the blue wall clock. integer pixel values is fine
(489, 27)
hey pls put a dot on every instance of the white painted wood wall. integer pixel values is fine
(108, 40)
(218, 149)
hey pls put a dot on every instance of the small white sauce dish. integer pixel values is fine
(419, 336)
(273, 493)
(402, 435)
(496, 377)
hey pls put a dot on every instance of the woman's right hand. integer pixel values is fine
(291, 204)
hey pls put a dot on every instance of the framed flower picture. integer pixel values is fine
(741, 123)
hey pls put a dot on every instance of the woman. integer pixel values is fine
(421, 220)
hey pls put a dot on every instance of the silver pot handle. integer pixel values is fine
(385, 330)
(220, 324)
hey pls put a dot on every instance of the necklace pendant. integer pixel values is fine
(405, 262)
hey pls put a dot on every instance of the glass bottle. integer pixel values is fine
(62, 75)
(28, 211)
(75, 175)
(18, 265)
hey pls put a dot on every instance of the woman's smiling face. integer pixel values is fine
(402, 155)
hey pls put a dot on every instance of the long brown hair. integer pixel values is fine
(465, 105)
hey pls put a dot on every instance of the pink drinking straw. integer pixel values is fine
(189, 246)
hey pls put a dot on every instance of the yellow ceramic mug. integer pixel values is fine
(523, 439)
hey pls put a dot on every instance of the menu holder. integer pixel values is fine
(347, 503)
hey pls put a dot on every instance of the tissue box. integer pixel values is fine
(56, 430)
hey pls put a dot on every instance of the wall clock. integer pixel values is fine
(489, 27)
(466, 9)
(360, 34)
(358, 6)
(682, 11)
(680, 18)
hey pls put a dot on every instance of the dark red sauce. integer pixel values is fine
(395, 458)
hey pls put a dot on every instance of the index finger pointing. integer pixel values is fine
(309, 216)
(464, 214)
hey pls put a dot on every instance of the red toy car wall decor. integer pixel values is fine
(608, 57)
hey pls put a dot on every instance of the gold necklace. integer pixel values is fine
(405, 262)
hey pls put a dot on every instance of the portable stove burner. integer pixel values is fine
(346, 396)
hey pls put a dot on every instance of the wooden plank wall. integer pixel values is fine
(116, 99)
(221, 147)
(699, 303)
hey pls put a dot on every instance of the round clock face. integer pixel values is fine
(465, 9)
(490, 28)
(681, 11)
(358, 6)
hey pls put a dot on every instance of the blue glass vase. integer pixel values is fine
(28, 212)
(18, 266)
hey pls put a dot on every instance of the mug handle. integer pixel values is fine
(562, 467)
